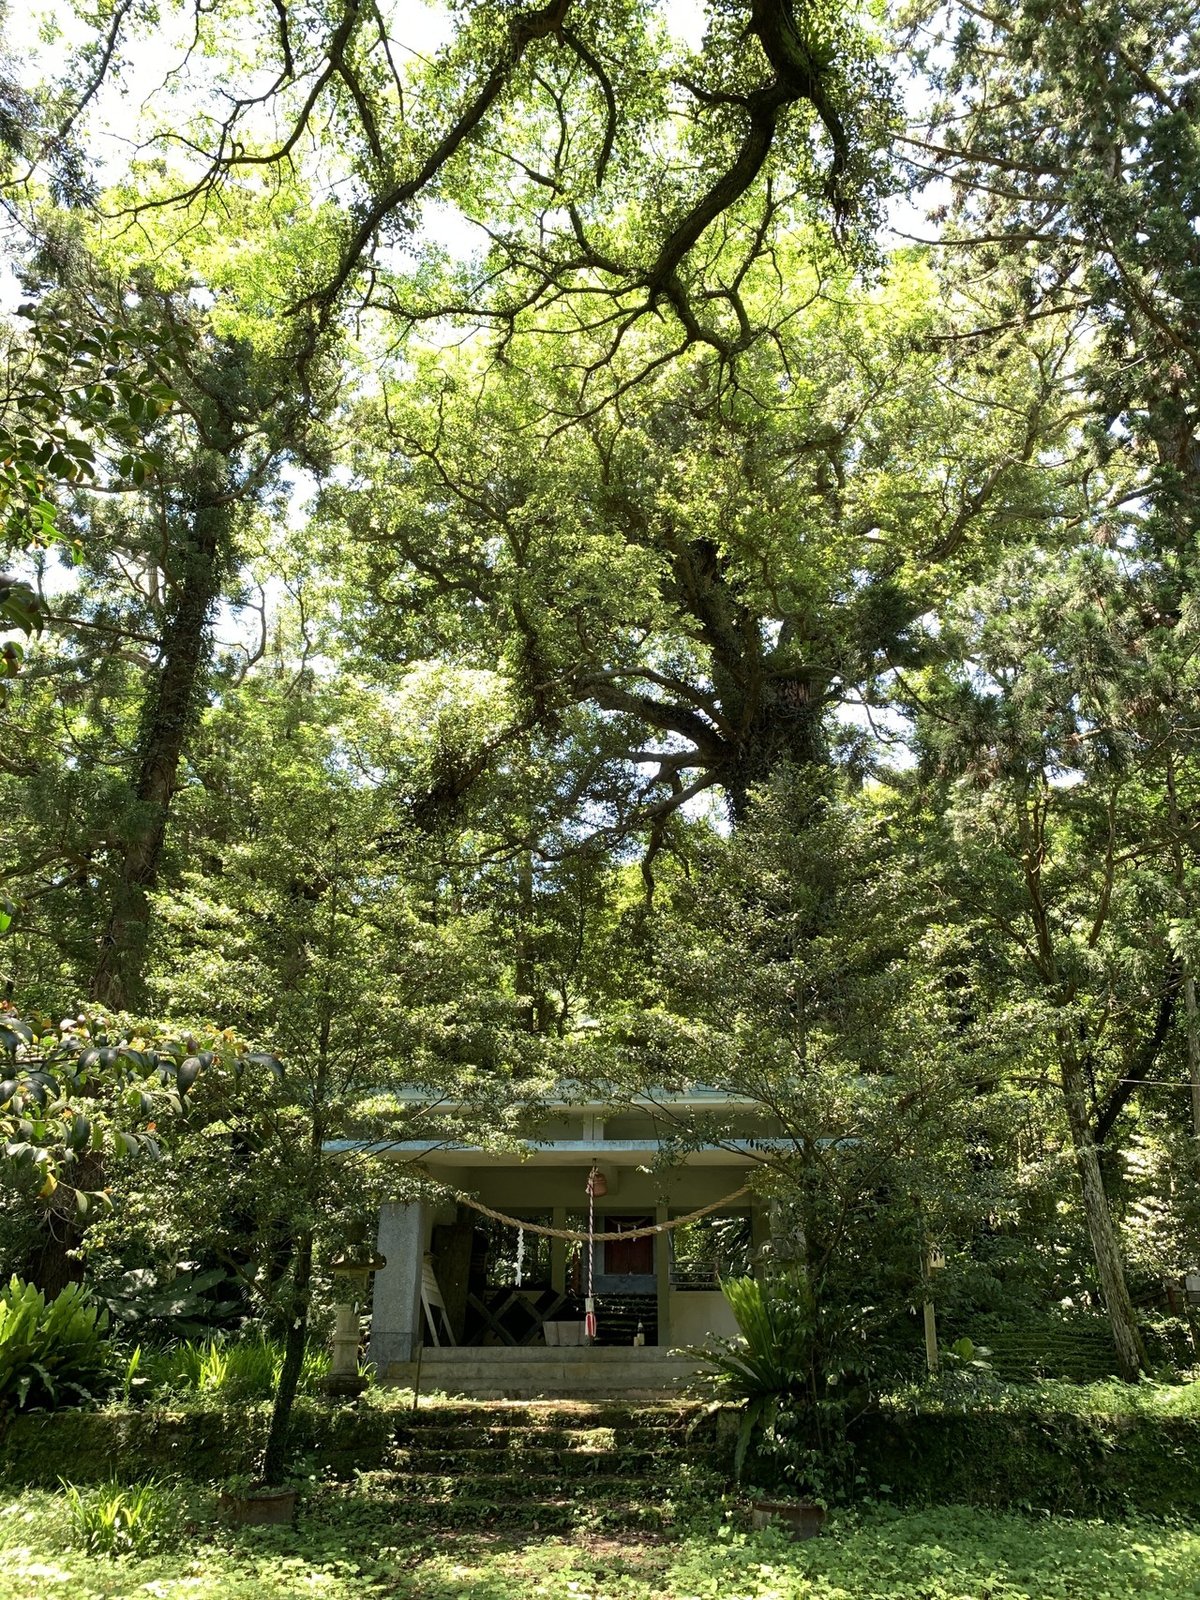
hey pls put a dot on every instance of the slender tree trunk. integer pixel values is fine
(168, 720)
(1192, 1017)
(1191, 1014)
(295, 1339)
(1106, 1247)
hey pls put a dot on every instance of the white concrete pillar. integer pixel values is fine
(396, 1303)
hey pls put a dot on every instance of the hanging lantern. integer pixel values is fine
(597, 1183)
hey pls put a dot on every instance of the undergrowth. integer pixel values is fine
(1108, 1398)
(345, 1548)
(115, 1519)
(245, 1368)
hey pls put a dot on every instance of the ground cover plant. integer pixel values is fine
(116, 1519)
(345, 1548)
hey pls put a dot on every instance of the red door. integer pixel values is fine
(628, 1257)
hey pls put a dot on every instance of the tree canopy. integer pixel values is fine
(613, 546)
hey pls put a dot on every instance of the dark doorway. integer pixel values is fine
(628, 1257)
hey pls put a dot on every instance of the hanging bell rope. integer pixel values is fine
(597, 1183)
(575, 1236)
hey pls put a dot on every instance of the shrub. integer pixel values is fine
(228, 1369)
(795, 1372)
(162, 1304)
(114, 1519)
(52, 1354)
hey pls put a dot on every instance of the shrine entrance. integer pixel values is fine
(628, 1257)
(534, 1279)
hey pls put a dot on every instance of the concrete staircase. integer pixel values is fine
(523, 1372)
(551, 1466)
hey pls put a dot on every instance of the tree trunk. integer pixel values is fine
(1191, 1013)
(783, 732)
(1192, 1017)
(1106, 1247)
(168, 719)
(295, 1339)
(296, 1335)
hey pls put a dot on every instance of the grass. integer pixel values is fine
(1108, 1398)
(245, 1368)
(344, 1548)
(118, 1519)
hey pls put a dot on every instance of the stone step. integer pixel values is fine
(519, 1486)
(564, 1441)
(541, 1463)
(522, 1511)
(565, 1362)
(613, 1354)
(569, 1415)
(487, 1390)
(550, 1456)
(586, 1374)
(560, 1440)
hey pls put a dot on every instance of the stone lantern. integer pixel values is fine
(351, 1275)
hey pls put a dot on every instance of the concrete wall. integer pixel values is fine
(697, 1313)
(533, 1188)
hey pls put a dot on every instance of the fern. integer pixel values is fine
(51, 1353)
(788, 1370)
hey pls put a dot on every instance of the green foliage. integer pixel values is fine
(347, 1543)
(774, 1355)
(1015, 1450)
(697, 594)
(1064, 89)
(186, 1303)
(96, 1086)
(116, 1519)
(708, 576)
(245, 1368)
(791, 1372)
(1103, 1450)
(951, 1554)
(679, 162)
(1079, 1350)
(71, 398)
(54, 1354)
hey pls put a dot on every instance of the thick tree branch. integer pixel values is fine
(1143, 1065)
